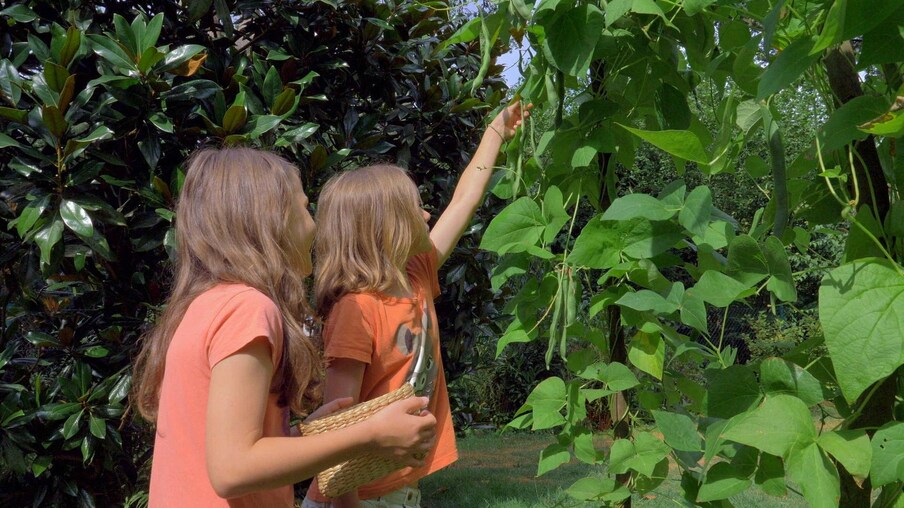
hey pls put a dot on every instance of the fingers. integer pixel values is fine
(329, 408)
(413, 405)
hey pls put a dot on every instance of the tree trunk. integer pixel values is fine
(845, 83)
(618, 351)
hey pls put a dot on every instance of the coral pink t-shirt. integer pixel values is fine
(218, 323)
(382, 331)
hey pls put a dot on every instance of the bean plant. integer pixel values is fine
(622, 285)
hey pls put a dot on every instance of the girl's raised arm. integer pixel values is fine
(474, 180)
(240, 460)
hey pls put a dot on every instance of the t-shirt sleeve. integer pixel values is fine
(425, 268)
(349, 331)
(243, 318)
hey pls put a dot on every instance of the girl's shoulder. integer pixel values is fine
(229, 295)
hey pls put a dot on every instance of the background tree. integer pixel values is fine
(100, 103)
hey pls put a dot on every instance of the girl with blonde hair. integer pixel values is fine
(231, 356)
(375, 281)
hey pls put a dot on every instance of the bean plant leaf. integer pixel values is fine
(861, 308)
(817, 476)
(787, 67)
(682, 144)
(888, 455)
(647, 353)
(697, 209)
(770, 475)
(571, 38)
(641, 455)
(679, 431)
(719, 289)
(554, 213)
(851, 448)
(638, 205)
(732, 391)
(519, 226)
(552, 457)
(780, 281)
(780, 423)
(547, 400)
(723, 480)
(781, 376)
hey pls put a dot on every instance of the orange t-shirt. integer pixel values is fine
(217, 324)
(382, 331)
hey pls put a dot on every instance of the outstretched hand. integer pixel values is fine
(509, 119)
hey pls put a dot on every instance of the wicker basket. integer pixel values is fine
(351, 474)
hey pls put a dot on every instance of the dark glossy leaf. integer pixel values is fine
(71, 46)
(76, 218)
(111, 51)
(53, 120)
(71, 426)
(19, 12)
(48, 237)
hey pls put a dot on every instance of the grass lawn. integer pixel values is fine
(499, 471)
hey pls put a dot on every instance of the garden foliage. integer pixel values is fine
(100, 103)
(624, 297)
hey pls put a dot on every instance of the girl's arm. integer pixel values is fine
(240, 460)
(343, 379)
(474, 181)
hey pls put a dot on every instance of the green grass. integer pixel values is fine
(499, 471)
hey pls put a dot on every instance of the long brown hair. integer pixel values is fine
(370, 221)
(236, 222)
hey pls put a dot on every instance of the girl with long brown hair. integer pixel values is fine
(231, 355)
(376, 278)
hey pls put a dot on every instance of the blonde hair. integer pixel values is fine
(236, 222)
(371, 222)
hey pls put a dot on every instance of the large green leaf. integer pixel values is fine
(605, 489)
(554, 213)
(817, 476)
(646, 300)
(884, 43)
(888, 455)
(641, 455)
(682, 144)
(599, 245)
(746, 261)
(724, 480)
(780, 423)
(732, 390)
(719, 289)
(861, 308)
(851, 448)
(770, 475)
(679, 431)
(519, 226)
(552, 457)
(571, 37)
(789, 65)
(694, 216)
(647, 353)
(781, 376)
(547, 400)
(780, 281)
(842, 126)
(638, 205)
